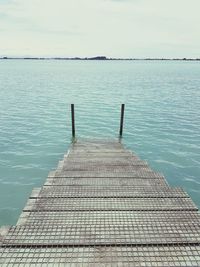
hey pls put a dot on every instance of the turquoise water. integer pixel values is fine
(162, 119)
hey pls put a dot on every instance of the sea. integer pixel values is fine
(162, 119)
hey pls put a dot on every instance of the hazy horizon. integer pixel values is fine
(94, 57)
(114, 28)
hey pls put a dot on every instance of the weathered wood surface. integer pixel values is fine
(111, 218)
(85, 204)
(126, 256)
(137, 234)
(107, 181)
(103, 206)
(135, 173)
(124, 191)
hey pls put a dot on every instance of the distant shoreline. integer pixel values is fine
(100, 58)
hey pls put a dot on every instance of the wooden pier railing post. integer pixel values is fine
(73, 121)
(121, 120)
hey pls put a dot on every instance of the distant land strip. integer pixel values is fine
(95, 58)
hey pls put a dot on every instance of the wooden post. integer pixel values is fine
(73, 121)
(122, 120)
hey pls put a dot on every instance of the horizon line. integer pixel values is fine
(94, 58)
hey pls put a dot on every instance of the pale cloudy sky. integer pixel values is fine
(115, 28)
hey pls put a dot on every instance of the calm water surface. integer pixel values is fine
(162, 119)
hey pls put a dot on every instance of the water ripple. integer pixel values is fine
(162, 119)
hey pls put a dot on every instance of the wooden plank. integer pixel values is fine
(3, 232)
(109, 218)
(35, 192)
(96, 151)
(51, 174)
(104, 161)
(105, 168)
(137, 234)
(136, 172)
(86, 204)
(105, 191)
(106, 181)
(109, 256)
(97, 146)
(79, 155)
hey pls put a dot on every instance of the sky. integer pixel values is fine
(114, 28)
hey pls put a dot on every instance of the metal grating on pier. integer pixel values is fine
(103, 206)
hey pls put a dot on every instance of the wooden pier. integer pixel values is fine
(103, 206)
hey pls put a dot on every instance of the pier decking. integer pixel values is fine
(103, 206)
